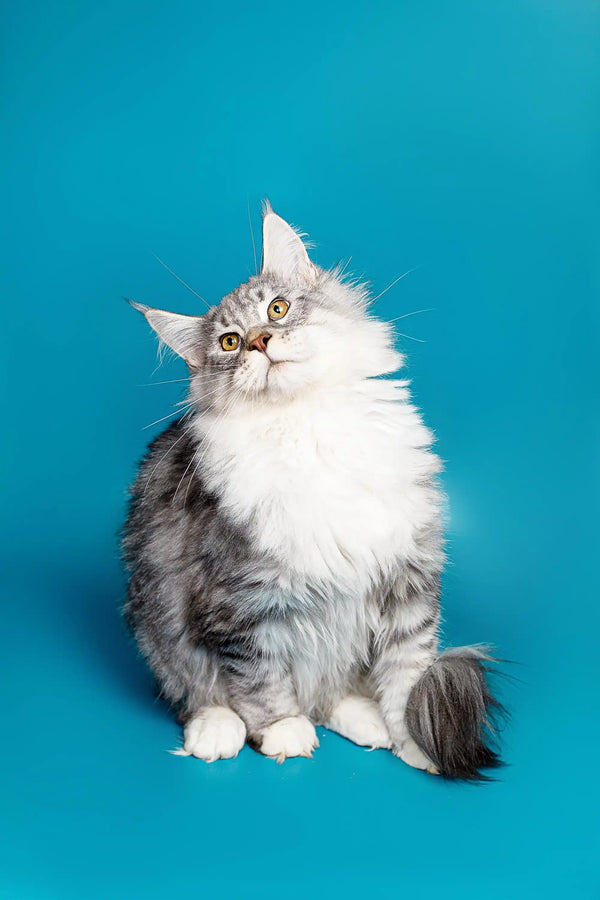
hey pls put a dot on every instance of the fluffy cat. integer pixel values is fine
(284, 541)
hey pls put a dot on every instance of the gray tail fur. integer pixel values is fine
(451, 714)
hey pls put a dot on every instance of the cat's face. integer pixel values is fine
(290, 329)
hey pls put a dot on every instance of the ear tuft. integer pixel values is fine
(141, 307)
(284, 253)
(181, 333)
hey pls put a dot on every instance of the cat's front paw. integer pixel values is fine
(292, 736)
(410, 753)
(215, 733)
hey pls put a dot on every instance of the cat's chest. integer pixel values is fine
(330, 492)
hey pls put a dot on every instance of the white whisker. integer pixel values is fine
(186, 431)
(411, 338)
(206, 441)
(394, 282)
(176, 413)
(184, 283)
(171, 381)
(415, 313)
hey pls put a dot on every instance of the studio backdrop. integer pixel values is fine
(454, 144)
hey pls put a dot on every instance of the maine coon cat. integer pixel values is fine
(284, 541)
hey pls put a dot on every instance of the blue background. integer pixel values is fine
(457, 137)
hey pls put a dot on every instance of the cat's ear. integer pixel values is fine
(181, 333)
(284, 254)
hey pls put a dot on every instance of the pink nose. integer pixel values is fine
(259, 343)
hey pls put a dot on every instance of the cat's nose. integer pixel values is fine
(259, 342)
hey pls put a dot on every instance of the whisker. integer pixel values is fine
(200, 456)
(171, 381)
(184, 283)
(395, 281)
(206, 394)
(192, 458)
(186, 431)
(176, 413)
(226, 409)
(411, 338)
(415, 313)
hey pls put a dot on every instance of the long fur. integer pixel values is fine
(452, 714)
(284, 538)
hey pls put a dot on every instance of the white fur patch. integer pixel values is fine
(333, 484)
(333, 487)
(326, 468)
(359, 720)
(217, 733)
(292, 736)
(413, 756)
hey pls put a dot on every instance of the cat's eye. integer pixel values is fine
(278, 308)
(230, 341)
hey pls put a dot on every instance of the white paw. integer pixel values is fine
(293, 736)
(413, 756)
(359, 720)
(216, 733)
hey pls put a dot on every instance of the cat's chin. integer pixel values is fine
(276, 369)
(284, 378)
(277, 380)
(280, 381)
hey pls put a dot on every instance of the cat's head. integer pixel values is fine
(293, 328)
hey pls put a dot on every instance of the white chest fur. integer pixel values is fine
(332, 485)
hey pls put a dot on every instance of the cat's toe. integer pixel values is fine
(359, 720)
(216, 733)
(412, 755)
(292, 736)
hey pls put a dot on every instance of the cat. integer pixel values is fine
(284, 539)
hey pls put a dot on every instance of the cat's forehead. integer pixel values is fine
(243, 302)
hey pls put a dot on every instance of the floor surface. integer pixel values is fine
(455, 140)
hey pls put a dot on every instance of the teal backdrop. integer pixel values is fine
(455, 139)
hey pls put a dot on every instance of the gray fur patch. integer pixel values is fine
(284, 538)
(451, 714)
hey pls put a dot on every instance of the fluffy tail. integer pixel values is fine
(451, 714)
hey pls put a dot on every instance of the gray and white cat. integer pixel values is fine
(284, 541)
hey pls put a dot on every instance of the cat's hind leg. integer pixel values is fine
(215, 732)
(359, 720)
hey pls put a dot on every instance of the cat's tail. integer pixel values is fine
(452, 714)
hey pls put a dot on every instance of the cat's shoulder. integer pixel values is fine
(168, 461)
(175, 432)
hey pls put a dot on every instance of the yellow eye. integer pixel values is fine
(278, 308)
(230, 341)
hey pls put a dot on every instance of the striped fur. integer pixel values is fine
(284, 540)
